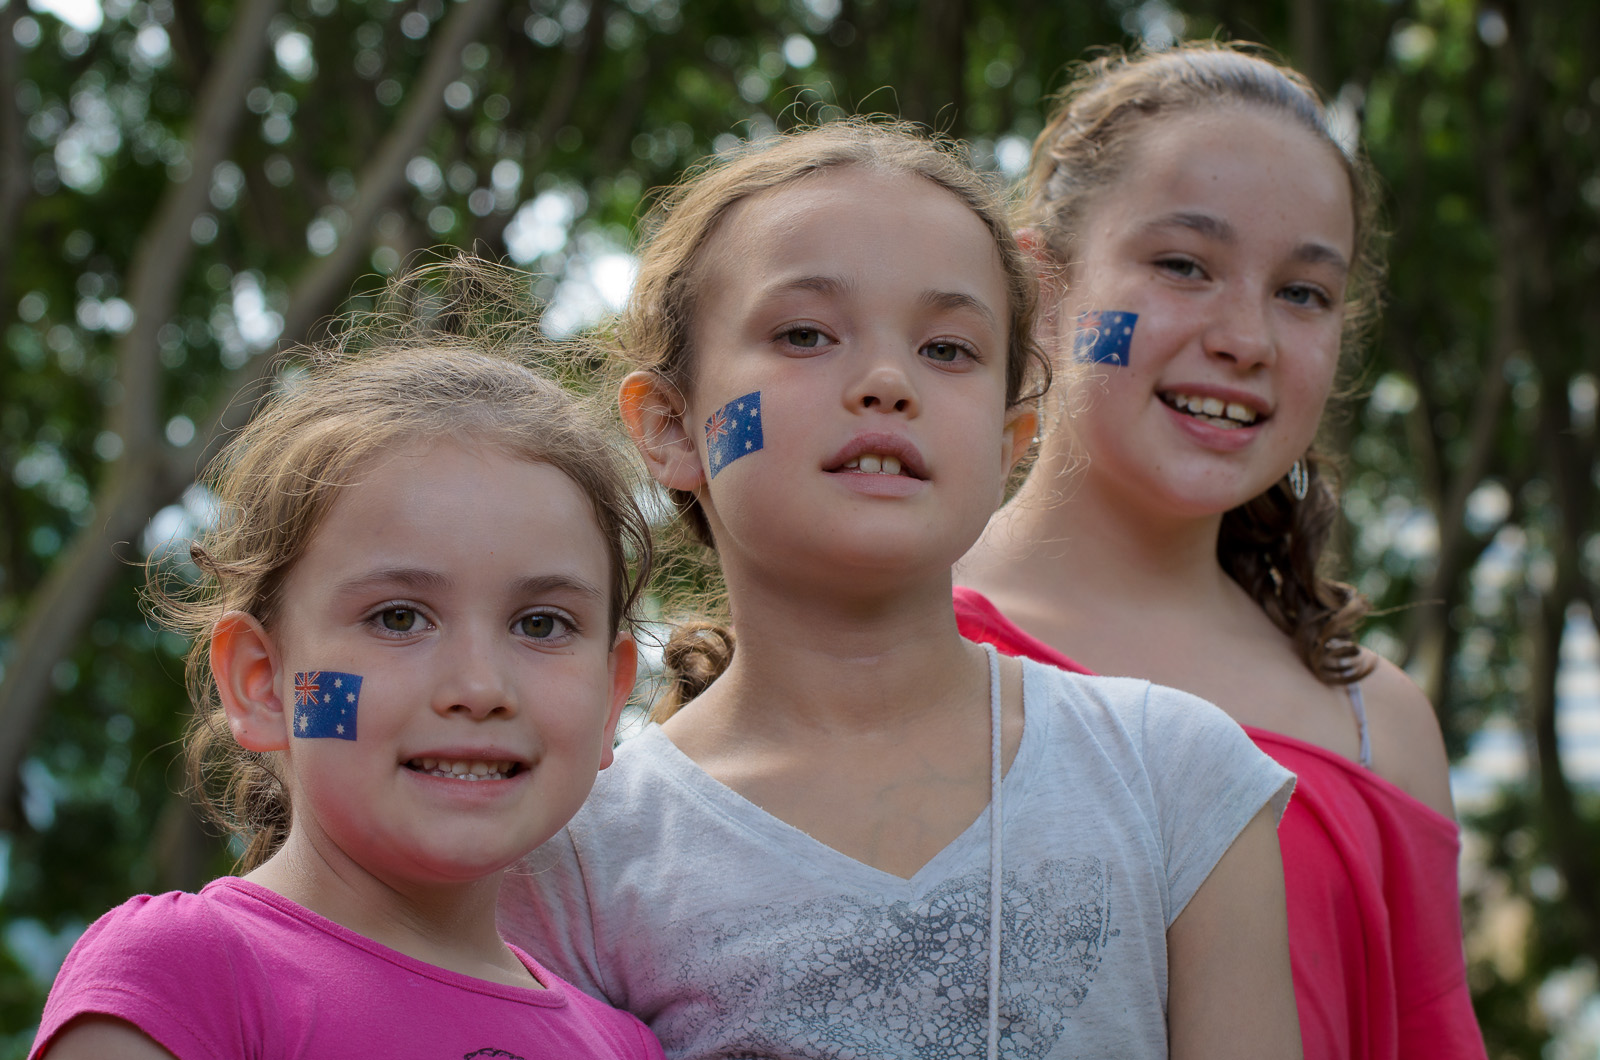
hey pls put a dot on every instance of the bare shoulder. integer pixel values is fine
(1407, 748)
(96, 1037)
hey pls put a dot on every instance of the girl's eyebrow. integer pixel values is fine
(834, 285)
(1209, 225)
(830, 285)
(958, 300)
(405, 577)
(1311, 252)
(422, 580)
(544, 584)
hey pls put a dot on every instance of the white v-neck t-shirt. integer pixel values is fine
(733, 934)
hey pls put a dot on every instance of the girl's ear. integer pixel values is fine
(624, 667)
(652, 411)
(244, 662)
(1021, 424)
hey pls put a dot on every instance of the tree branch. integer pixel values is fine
(134, 488)
(16, 185)
(162, 257)
(59, 609)
(1483, 424)
(556, 113)
(322, 286)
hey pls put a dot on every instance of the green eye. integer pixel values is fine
(943, 351)
(539, 627)
(805, 338)
(398, 619)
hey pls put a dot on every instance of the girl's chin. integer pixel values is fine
(1182, 491)
(1205, 503)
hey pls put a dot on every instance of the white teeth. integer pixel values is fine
(875, 464)
(1214, 410)
(463, 769)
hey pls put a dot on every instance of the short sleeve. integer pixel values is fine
(544, 909)
(1209, 781)
(161, 963)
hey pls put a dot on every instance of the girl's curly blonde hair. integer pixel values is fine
(447, 353)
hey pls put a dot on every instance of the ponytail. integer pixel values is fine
(697, 654)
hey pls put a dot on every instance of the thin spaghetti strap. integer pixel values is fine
(1359, 705)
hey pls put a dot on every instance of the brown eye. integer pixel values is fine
(539, 627)
(398, 619)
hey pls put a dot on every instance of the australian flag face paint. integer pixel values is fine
(733, 431)
(325, 705)
(1104, 337)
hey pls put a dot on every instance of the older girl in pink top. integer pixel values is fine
(1208, 246)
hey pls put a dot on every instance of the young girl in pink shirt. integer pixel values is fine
(410, 654)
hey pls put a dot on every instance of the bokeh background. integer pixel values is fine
(189, 186)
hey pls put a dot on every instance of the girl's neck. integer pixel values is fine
(451, 925)
(832, 661)
(1071, 535)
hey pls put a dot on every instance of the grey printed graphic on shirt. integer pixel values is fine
(907, 979)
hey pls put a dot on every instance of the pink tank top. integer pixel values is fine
(1373, 900)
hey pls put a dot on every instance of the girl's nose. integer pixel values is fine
(475, 683)
(1239, 332)
(884, 387)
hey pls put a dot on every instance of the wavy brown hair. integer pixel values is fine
(448, 354)
(1275, 546)
(655, 328)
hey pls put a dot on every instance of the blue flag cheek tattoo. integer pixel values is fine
(1104, 337)
(733, 431)
(325, 705)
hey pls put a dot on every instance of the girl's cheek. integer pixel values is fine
(1104, 337)
(733, 431)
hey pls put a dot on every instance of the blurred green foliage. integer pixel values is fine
(1470, 428)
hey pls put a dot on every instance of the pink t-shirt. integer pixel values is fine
(239, 971)
(1373, 900)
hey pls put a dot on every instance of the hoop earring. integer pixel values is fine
(1299, 480)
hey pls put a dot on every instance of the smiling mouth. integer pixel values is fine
(1229, 415)
(465, 768)
(876, 464)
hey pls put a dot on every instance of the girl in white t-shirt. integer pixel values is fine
(863, 836)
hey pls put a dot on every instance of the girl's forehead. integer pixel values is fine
(1247, 162)
(870, 189)
(863, 212)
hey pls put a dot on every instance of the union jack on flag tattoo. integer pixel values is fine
(733, 431)
(325, 704)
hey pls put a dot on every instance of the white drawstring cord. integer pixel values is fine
(995, 821)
